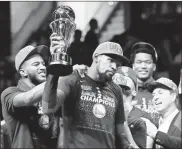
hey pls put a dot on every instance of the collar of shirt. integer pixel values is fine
(145, 84)
(165, 123)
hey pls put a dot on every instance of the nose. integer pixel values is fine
(42, 67)
(143, 65)
(155, 97)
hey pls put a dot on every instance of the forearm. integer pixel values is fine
(30, 97)
(49, 97)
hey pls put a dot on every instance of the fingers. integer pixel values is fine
(54, 49)
(57, 43)
(82, 69)
(75, 67)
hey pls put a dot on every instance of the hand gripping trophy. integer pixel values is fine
(63, 25)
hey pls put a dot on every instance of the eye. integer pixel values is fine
(43, 63)
(138, 62)
(148, 62)
(35, 63)
(160, 92)
(110, 60)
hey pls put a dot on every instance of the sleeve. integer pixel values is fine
(7, 97)
(168, 141)
(120, 115)
(66, 84)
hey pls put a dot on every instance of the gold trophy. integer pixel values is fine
(63, 25)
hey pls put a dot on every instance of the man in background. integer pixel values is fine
(165, 95)
(144, 59)
(126, 78)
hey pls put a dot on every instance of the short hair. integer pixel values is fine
(143, 47)
(133, 55)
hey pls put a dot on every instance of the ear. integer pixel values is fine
(154, 69)
(174, 97)
(95, 58)
(23, 73)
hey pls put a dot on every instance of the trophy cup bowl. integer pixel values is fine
(63, 25)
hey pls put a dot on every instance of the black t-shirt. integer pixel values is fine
(94, 110)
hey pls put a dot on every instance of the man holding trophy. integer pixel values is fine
(92, 105)
(22, 108)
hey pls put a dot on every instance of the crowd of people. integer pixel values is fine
(109, 102)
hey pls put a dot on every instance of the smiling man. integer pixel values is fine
(144, 58)
(21, 104)
(165, 95)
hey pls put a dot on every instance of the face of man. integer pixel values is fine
(143, 66)
(162, 99)
(107, 66)
(34, 69)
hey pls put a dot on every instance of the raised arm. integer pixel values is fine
(52, 97)
(57, 90)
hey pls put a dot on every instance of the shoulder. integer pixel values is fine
(9, 90)
(116, 88)
(8, 94)
(73, 77)
(69, 80)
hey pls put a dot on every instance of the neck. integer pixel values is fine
(144, 81)
(28, 82)
(168, 111)
(92, 73)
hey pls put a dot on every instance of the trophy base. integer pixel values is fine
(59, 69)
(60, 64)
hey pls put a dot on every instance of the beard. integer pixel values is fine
(36, 80)
(105, 77)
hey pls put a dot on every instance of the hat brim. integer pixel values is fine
(152, 86)
(124, 86)
(125, 61)
(42, 50)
